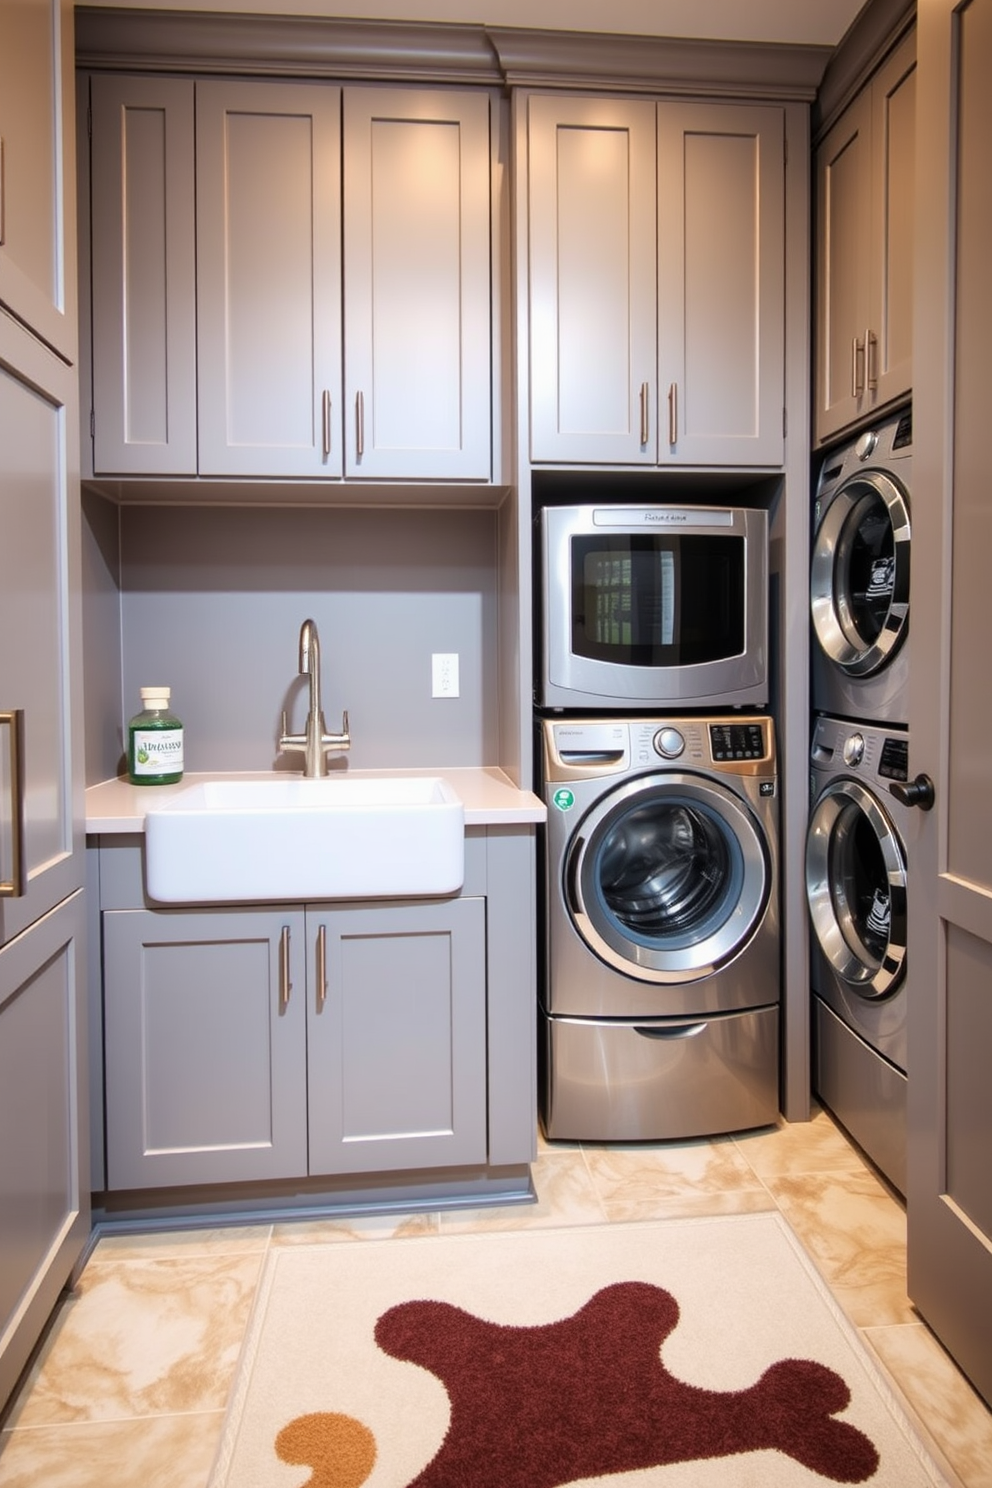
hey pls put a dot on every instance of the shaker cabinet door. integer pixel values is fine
(205, 1046)
(721, 293)
(417, 284)
(37, 161)
(143, 276)
(396, 1051)
(592, 307)
(268, 278)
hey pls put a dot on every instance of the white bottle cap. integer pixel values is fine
(156, 699)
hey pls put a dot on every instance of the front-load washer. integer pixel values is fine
(858, 846)
(661, 982)
(859, 576)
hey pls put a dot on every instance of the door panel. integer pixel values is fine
(950, 1013)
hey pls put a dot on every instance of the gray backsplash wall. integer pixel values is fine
(211, 603)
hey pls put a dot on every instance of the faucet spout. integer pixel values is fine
(314, 743)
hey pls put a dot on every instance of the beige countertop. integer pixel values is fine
(489, 796)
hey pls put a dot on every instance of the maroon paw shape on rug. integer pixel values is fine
(538, 1407)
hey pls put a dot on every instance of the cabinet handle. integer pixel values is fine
(857, 368)
(321, 968)
(2, 177)
(285, 985)
(673, 413)
(14, 887)
(360, 424)
(871, 360)
(326, 422)
(645, 414)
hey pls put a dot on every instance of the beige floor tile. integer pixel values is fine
(665, 1180)
(816, 1146)
(142, 1338)
(160, 1452)
(565, 1195)
(855, 1231)
(149, 1245)
(949, 1409)
(361, 1227)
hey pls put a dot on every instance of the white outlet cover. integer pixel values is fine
(444, 674)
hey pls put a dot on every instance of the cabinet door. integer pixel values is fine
(396, 1053)
(889, 372)
(268, 186)
(41, 803)
(721, 289)
(144, 276)
(843, 245)
(37, 230)
(44, 1187)
(418, 366)
(205, 1046)
(592, 307)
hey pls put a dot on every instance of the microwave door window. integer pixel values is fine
(657, 600)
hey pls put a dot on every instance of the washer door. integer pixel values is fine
(859, 581)
(856, 888)
(667, 878)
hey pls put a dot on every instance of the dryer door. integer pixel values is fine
(668, 877)
(856, 888)
(859, 581)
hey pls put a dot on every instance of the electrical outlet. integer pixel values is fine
(444, 674)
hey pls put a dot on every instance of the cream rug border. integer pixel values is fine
(928, 1456)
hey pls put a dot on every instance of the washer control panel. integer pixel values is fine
(738, 741)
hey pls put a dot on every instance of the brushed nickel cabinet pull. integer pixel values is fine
(645, 419)
(321, 997)
(673, 413)
(360, 424)
(2, 217)
(285, 985)
(857, 368)
(871, 360)
(14, 886)
(326, 421)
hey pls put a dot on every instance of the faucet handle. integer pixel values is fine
(287, 740)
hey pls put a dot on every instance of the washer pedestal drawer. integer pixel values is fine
(625, 1081)
(864, 1091)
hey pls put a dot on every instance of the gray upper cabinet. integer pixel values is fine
(864, 264)
(656, 298)
(417, 350)
(143, 275)
(219, 293)
(268, 235)
(37, 238)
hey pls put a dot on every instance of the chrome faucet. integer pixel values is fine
(314, 743)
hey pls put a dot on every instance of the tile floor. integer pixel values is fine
(129, 1388)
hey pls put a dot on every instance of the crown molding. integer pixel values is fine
(317, 47)
(873, 34)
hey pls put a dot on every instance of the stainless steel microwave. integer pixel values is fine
(651, 606)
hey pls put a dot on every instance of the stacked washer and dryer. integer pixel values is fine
(863, 817)
(660, 990)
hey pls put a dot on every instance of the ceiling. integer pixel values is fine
(802, 22)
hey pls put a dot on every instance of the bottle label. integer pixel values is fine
(158, 751)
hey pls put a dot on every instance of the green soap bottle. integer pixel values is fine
(155, 741)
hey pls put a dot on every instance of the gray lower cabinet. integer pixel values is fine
(273, 1043)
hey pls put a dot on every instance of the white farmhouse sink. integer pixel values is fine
(285, 837)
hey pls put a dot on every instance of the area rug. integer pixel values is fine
(699, 1353)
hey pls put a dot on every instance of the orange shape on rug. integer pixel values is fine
(340, 1449)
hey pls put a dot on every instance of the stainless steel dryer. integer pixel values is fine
(858, 846)
(859, 577)
(660, 992)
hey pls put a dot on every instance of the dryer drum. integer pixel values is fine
(859, 580)
(668, 878)
(856, 888)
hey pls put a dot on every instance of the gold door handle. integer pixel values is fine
(14, 887)
(871, 360)
(673, 413)
(326, 422)
(359, 424)
(857, 368)
(645, 413)
(285, 985)
(321, 992)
